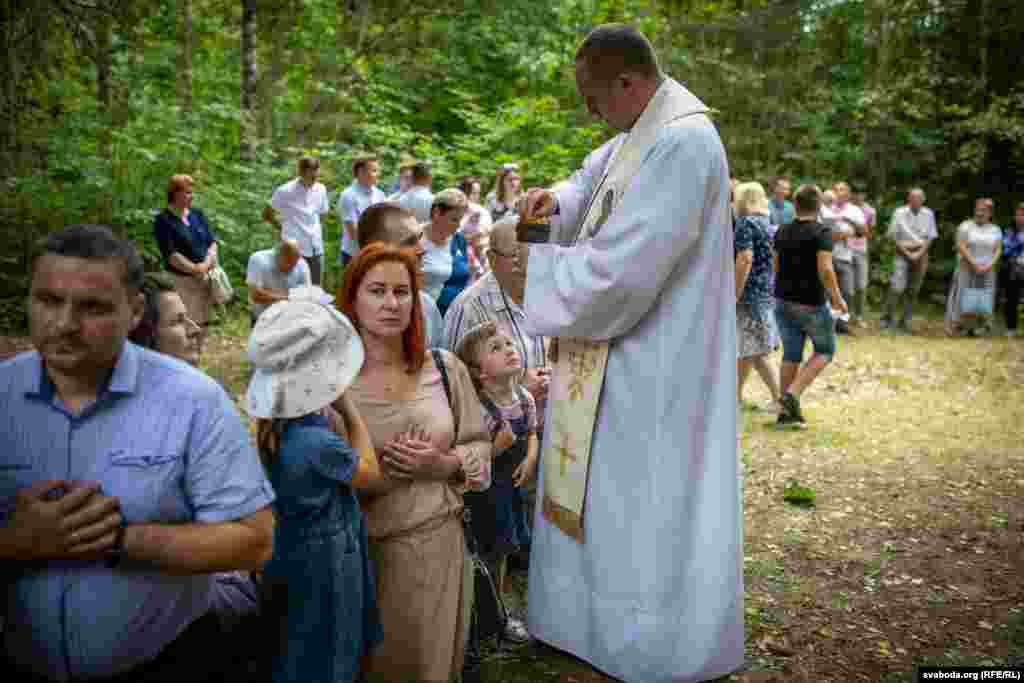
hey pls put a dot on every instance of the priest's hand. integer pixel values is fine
(537, 203)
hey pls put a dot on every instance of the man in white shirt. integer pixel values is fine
(357, 197)
(419, 199)
(295, 210)
(271, 273)
(913, 229)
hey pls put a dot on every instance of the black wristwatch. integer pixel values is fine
(116, 551)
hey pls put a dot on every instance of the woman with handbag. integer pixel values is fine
(972, 293)
(1012, 269)
(431, 453)
(189, 248)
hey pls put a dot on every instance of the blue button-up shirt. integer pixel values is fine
(782, 213)
(168, 442)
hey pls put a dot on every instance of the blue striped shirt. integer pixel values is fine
(168, 442)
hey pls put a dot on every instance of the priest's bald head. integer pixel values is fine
(617, 73)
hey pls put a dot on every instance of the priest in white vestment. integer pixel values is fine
(636, 563)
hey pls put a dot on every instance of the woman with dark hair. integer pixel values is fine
(188, 246)
(432, 450)
(805, 280)
(165, 325)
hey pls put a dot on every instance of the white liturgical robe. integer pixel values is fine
(655, 591)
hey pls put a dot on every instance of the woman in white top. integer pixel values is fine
(507, 190)
(445, 249)
(978, 245)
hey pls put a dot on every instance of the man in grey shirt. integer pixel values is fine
(913, 230)
(271, 273)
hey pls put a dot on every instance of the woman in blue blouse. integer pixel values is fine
(188, 247)
(1012, 268)
(445, 249)
(757, 335)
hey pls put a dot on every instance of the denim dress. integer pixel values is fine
(319, 579)
(498, 515)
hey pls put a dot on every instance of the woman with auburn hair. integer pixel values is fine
(432, 450)
(188, 247)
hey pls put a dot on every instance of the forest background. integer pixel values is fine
(102, 100)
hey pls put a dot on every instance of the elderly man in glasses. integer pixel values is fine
(497, 297)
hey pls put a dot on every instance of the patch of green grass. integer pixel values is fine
(756, 568)
(1000, 520)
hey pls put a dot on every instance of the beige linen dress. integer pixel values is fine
(416, 540)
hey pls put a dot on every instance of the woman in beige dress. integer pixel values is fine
(431, 452)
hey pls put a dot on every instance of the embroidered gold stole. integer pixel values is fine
(579, 364)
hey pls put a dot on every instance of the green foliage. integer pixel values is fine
(895, 94)
(797, 494)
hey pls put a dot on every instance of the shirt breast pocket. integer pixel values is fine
(16, 473)
(148, 484)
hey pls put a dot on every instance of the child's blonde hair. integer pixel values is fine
(468, 349)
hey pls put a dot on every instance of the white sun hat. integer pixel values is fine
(306, 355)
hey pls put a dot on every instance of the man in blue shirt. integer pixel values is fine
(356, 198)
(781, 209)
(126, 479)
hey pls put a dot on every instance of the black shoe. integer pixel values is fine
(791, 405)
(885, 323)
(842, 327)
(786, 420)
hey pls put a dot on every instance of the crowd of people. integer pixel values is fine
(802, 272)
(481, 353)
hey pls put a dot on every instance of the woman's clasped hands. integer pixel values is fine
(412, 455)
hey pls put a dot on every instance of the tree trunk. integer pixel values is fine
(104, 64)
(185, 57)
(248, 78)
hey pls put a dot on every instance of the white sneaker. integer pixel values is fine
(1010, 334)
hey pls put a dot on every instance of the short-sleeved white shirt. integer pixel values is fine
(906, 226)
(354, 200)
(263, 272)
(981, 240)
(300, 209)
(418, 199)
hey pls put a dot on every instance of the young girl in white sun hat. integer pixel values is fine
(319, 582)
